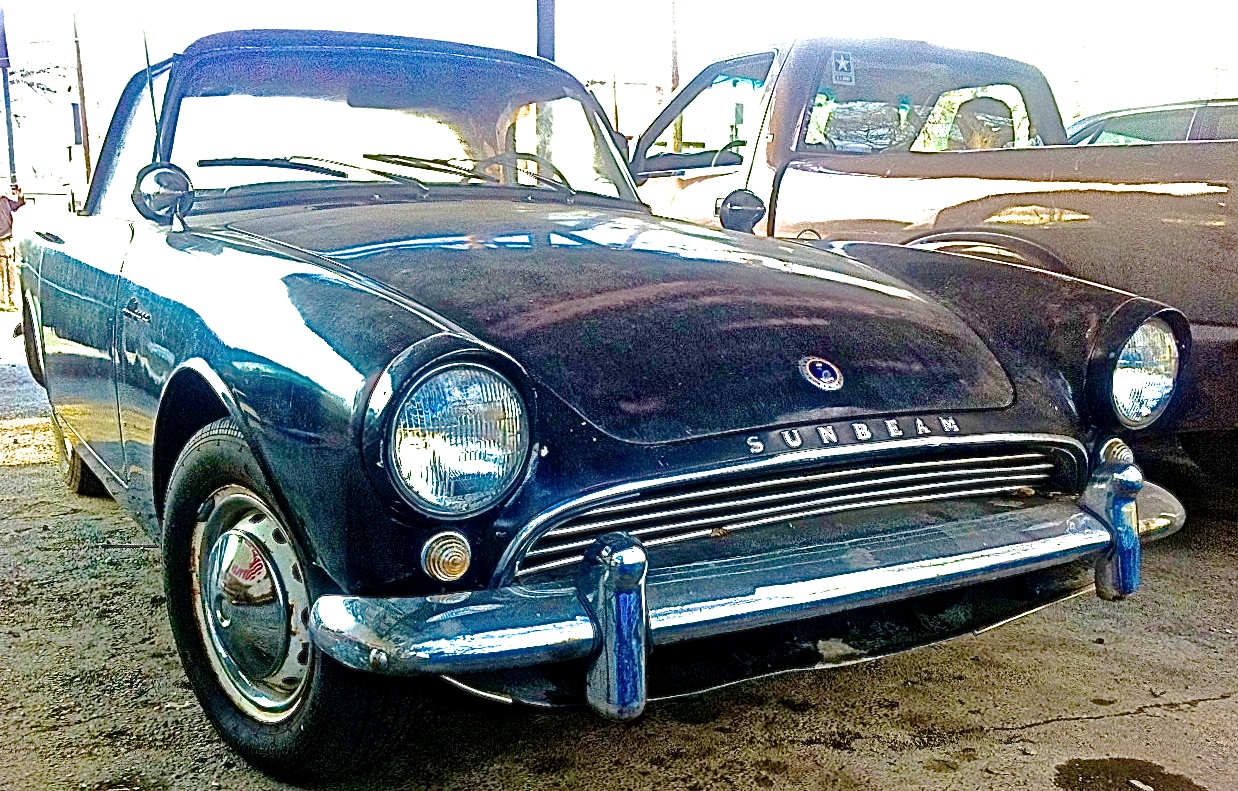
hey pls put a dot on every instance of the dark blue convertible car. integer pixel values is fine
(374, 335)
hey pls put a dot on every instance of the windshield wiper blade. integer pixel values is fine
(513, 159)
(281, 162)
(385, 174)
(433, 165)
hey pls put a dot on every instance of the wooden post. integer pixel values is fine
(677, 127)
(81, 97)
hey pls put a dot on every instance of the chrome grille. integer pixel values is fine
(717, 507)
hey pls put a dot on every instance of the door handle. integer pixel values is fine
(133, 309)
(49, 237)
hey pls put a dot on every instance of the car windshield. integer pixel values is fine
(425, 118)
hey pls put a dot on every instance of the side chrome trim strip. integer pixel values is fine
(505, 569)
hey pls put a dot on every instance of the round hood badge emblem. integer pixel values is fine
(821, 373)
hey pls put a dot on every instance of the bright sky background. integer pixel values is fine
(1097, 56)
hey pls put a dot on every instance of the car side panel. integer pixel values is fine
(77, 293)
(299, 349)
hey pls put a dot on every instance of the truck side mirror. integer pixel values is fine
(162, 192)
(741, 211)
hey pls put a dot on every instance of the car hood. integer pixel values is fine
(655, 330)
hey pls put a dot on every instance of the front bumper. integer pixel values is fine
(618, 609)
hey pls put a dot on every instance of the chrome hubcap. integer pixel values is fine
(252, 603)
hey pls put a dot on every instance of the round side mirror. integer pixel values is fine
(741, 211)
(162, 191)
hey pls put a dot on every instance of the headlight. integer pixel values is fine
(1145, 374)
(458, 440)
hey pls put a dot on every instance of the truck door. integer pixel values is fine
(700, 148)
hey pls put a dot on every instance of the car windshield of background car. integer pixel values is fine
(327, 111)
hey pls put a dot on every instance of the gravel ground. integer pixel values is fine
(1085, 696)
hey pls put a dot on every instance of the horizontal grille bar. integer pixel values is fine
(716, 510)
(797, 494)
(820, 476)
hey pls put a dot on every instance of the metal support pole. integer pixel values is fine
(8, 123)
(545, 49)
(546, 29)
(8, 107)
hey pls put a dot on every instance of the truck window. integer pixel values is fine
(877, 111)
(718, 126)
(985, 117)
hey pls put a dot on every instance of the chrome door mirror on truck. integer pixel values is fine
(162, 192)
(741, 211)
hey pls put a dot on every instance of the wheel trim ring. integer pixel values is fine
(238, 510)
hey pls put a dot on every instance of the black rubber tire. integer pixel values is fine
(76, 474)
(345, 719)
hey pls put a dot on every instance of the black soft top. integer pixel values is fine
(275, 39)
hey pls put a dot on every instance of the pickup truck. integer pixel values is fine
(847, 142)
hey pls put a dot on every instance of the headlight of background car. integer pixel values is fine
(459, 439)
(1145, 374)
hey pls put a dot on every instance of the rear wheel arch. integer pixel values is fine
(30, 340)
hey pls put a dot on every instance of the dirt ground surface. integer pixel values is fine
(1085, 696)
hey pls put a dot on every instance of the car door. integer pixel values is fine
(80, 284)
(700, 147)
(80, 267)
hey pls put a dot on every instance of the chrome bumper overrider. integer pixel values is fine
(619, 608)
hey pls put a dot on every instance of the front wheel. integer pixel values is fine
(239, 597)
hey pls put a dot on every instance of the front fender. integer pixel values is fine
(1049, 330)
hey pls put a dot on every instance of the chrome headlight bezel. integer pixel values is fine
(509, 481)
(1124, 395)
(1120, 332)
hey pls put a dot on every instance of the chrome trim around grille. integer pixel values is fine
(653, 542)
(506, 569)
(1030, 471)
